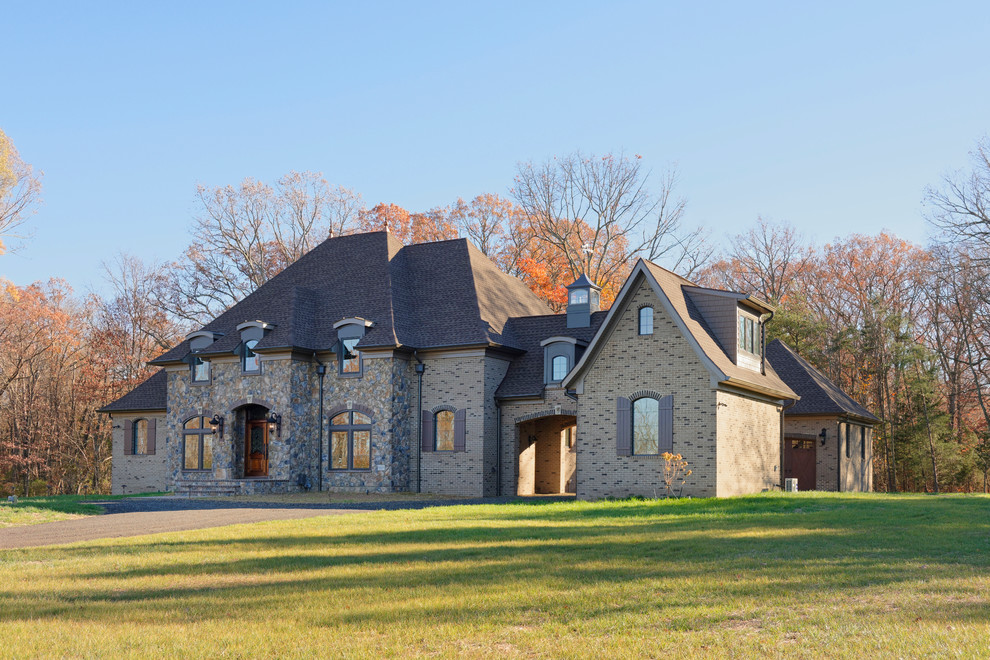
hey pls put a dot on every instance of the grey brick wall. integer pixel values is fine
(663, 362)
(138, 473)
(748, 445)
(513, 430)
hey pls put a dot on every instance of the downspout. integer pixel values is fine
(838, 457)
(498, 449)
(763, 342)
(321, 371)
(783, 439)
(420, 368)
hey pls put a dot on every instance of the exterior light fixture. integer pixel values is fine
(823, 435)
(217, 424)
(275, 425)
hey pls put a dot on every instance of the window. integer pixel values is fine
(139, 437)
(200, 370)
(749, 335)
(646, 426)
(559, 368)
(443, 431)
(251, 362)
(350, 441)
(197, 444)
(646, 321)
(350, 357)
(579, 297)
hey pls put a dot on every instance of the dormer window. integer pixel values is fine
(200, 370)
(559, 368)
(749, 335)
(349, 333)
(560, 354)
(251, 362)
(252, 332)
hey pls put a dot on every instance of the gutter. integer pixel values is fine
(321, 371)
(420, 368)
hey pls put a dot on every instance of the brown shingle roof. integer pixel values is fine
(819, 395)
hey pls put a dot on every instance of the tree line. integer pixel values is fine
(904, 328)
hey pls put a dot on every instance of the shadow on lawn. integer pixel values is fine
(728, 549)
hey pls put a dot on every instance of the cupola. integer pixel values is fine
(583, 298)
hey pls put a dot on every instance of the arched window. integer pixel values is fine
(350, 441)
(559, 368)
(251, 363)
(139, 437)
(646, 425)
(197, 444)
(443, 431)
(646, 321)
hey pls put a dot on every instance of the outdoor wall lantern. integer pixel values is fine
(275, 425)
(217, 424)
(823, 435)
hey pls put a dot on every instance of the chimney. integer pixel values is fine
(583, 298)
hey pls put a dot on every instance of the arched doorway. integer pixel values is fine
(251, 441)
(547, 455)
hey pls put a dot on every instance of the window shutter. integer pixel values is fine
(152, 430)
(128, 437)
(460, 430)
(667, 423)
(427, 440)
(623, 427)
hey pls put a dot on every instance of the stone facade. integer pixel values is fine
(137, 473)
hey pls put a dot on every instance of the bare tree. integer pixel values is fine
(602, 212)
(961, 206)
(766, 260)
(245, 235)
(20, 191)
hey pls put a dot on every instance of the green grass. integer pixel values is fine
(33, 510)
(806, 575)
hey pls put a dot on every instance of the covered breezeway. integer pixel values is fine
(547, 455)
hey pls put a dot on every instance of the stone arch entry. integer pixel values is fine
(546, 453)
(250, 440)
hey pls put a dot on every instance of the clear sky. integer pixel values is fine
(828, 115)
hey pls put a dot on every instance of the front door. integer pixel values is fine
(799, 462)
(256, 449)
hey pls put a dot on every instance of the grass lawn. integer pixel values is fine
(33, 510)
(806, 575)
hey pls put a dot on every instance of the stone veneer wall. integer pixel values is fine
(748, 445)
(284, 385)
(628, 362)
(137, 473)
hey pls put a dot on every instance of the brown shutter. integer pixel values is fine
(623, 427)
(667, 423)
(427, 439)
(128, 437)
(460, 430)
(152, 430)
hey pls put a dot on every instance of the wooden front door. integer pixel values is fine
(799, 462)
(256, 449)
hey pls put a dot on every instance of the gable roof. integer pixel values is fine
(428, 295)
(524, 377)
(819, 395)
(149, 395)
(672, 290)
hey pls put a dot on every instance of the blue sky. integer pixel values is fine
(830, 116)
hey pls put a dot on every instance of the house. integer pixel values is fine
(828, 437)
(372, 366)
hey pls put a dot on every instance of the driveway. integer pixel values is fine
(138, 523)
